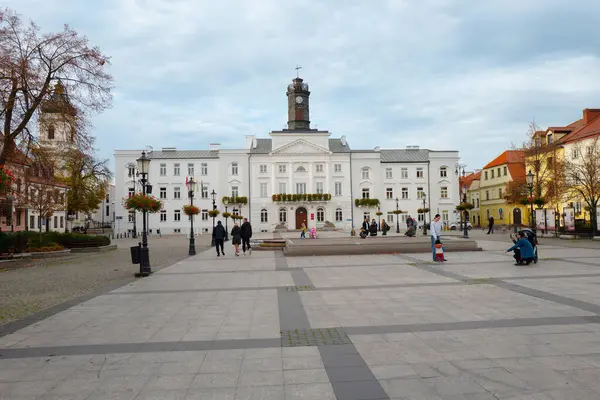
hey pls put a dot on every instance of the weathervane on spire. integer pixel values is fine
(298, 68)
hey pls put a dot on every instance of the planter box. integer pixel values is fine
(99, 249)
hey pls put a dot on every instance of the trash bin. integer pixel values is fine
(135, 254)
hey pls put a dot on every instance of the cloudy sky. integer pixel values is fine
(442, 74)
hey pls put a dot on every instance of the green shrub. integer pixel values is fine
(19, 242)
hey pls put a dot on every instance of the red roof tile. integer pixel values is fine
(592, 128)
(508, 157)
(469, 179)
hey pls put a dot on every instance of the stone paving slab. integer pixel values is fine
(399, 327)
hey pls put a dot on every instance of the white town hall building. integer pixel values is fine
(294, 161)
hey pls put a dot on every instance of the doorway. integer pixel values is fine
(517, 216)
(301, 217)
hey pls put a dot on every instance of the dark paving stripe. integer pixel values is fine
(469, 325)
(567, 301)
(14, 326)
(348, 372)
(138, 348)
(540, 294)
(549, 276)
(204, 290)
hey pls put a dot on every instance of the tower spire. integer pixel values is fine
(298, 68)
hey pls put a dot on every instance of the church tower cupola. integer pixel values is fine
(298, 105)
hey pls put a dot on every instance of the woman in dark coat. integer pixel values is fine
(373, 228)
(236, 238)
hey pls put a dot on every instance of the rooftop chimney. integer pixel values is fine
(589, 114)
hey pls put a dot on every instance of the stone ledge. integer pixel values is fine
(100, 249)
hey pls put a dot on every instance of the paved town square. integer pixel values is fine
(266, 326)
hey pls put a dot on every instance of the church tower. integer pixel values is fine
(56, 127)
(298, 106)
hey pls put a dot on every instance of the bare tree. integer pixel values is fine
(31, 66)
(582, 173)
(539, 156)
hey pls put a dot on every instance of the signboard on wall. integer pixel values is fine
(312, 216)
(569, 219)
(550, 219)
(540, 219)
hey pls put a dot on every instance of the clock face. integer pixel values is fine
(299, 100)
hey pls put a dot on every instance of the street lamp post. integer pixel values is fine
(191, 186)
(466, 218)
(213, 196)
(143, 164)
(424, 215)
(378, 219)
(226, 203)
(397, 216)
(529, 178)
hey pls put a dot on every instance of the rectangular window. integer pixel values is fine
(190, 169)
(590, 150)
(498, 171)
(282, 168)
(107, 213)
(263, 168)
(485, 174)
(131, 192)
(319, 168)
(282, 188)
(419, 173)
(444, 192)
(365, 173)
(367, 215)
(176, 169)
(234, 191)
(204, 169)
(31, 222)
(55, 222)
(319, 187)
(492, 171)
(300, 188)
(338, 188)
(404, 193)
(338, 215)
(234, 168)
(204, 190)
(404, 173)
(337, 167)
(391, 218)
(478, 203)
(204, 215)
(419, 217)
(163, 169)
(389, 193)
(420, 192)
(445, 216)
(487, 194)
(263, 189)
(62, 222)
(163, 192)
(177, 193)
(163, 216)
(505, 171)
(131, 216)
(500, 193)
(388, 173)
(130, 171)
(18, 217)
(264, 216)
(443, 172)
(366, 193)
(177, 215)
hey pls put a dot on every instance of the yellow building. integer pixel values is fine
(471, 181)
(501, 179)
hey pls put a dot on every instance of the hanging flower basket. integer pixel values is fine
(6, 179)
(464, 207)
(141, 202)
(213, 213)
(191, 210)
(423, 210)
(227, 214)
(397, 212)
(378, 213)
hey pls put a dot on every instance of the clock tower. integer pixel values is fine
(298, 110)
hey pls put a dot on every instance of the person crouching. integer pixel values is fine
(523, 250)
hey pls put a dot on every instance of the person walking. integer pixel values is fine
(218, 235)
(236, 238)
(490, 225)
(303, 231)
(436, 233)
(246, 235)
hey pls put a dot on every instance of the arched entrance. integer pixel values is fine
(301, 217)
(517, 216)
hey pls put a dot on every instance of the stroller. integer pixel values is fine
(532, 237)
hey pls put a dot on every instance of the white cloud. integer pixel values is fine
(446, 74)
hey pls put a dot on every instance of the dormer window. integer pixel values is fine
(51, 131)
(550, 139)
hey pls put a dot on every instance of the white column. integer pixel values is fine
(275, 187)
(327, 173)
(290, 167)
(309, 188)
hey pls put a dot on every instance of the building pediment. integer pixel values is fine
(300, 147)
